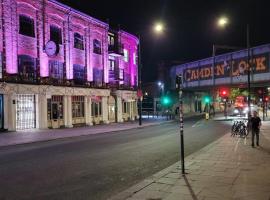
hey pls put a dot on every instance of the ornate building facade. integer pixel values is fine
(62, 68)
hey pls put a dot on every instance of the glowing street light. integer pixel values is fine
(222, 21)
(159, 27)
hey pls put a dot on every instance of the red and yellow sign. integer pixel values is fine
(228, 68)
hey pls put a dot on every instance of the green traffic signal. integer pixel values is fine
(165, 100)
(207, 99)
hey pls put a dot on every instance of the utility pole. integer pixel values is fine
(179, 87)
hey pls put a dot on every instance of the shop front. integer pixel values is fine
(96, 110)
(78, 110)
(25, 111)
(55, 107)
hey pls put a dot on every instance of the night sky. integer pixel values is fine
(190, 25)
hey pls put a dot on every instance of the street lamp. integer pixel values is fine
(158, 29)
(161, 86)
(222, 22)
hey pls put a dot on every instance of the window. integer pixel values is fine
(56, 70)
(111, 39)
(56, 34)
(78, 41)
(27, 68)
(125, 55)
(126, 107)
(111, 63)
(98, 76)
(55, 107)
(96, 109)
(26, 26)
(79, 74)
(97, 46)
(77, 106)
(121, 74)
(134, 58)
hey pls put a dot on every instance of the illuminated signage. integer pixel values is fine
(228, 68)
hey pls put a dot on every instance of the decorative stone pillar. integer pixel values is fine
(10, 112)
(41, 104)
(68, 111)
(136, 109)
(105, 113)
(131, 111)
(119, 109)
(87, 107)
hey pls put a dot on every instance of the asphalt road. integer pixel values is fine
(96, 167)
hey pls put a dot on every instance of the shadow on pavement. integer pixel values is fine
(194, 197)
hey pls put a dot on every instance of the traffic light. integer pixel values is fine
(178, 81)
(166, 100)
(207, 99)
(224, 93)
(266, 99)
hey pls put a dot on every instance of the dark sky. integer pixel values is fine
(190, 25)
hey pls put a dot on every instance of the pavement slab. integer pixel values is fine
(227, 169)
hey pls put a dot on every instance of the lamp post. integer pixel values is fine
(158, 29)
(222, 22)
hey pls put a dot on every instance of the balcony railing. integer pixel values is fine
(117, 49)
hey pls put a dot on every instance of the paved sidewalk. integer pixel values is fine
(227, 169)
(36, 135)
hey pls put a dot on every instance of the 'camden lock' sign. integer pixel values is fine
(236, 67)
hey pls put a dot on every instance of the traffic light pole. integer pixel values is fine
(179, 86)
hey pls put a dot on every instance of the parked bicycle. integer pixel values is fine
(240, 128)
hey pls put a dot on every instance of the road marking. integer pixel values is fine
(198, 123)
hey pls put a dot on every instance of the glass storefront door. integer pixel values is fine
(25, 112)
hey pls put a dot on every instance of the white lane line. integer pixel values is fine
(198, 123)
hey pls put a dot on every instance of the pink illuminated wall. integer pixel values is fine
(130, 43)
(50, 12)
(10, 25)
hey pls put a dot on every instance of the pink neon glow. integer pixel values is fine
(130, 43)
(17, 44)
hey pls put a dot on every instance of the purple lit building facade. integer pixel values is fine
(62, 68)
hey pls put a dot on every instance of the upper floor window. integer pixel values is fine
(27, 26)
(78, 41)
(56, 70)
(111, 39)
(97, 46)
(121, 74)
(56, 34)
(125, 55)
(111, 63)
(27, 68)
(79, 74)
(134, 58)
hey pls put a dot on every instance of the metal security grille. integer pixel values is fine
(25, 112)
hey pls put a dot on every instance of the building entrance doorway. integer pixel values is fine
(25, 112)
(55, 112)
